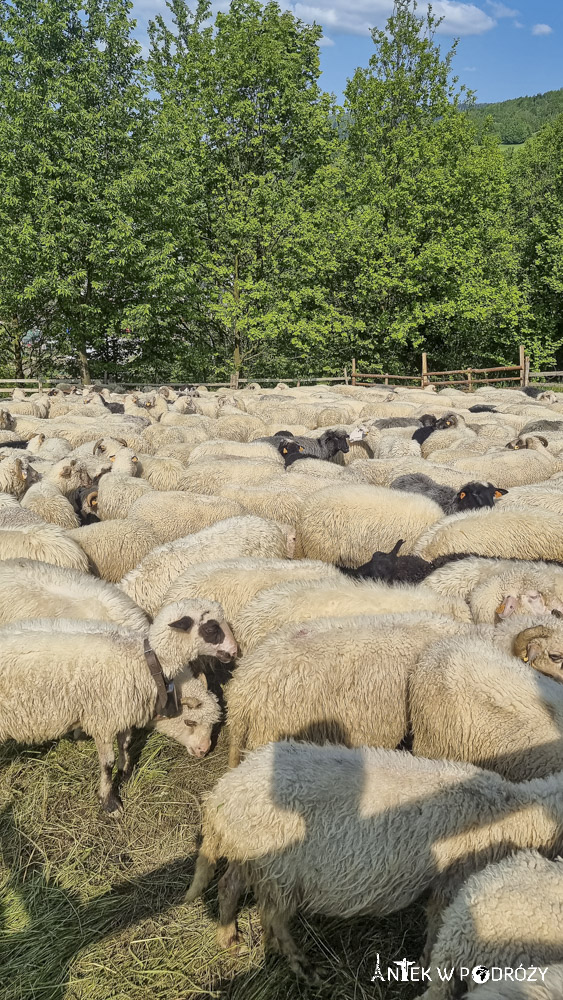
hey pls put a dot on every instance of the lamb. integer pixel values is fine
(519, 532)
(96, 676)
(32, 589)
(303, 600)
(48, 502)
(390, 567)
(54, 449)
(345, 832)
(470, 701)
(345, 524)
(316, 681)
(115, 547)
(16, 476)
(44, 542)
(509, 468)
(177, 514)
(325, 447)
(506, 916)
(235, 537)
(234, 582)
(471, 496)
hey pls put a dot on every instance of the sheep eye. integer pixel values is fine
(555, 657)
(190, 723)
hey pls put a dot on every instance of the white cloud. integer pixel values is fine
(459, 18)
(542, 29)
(518, 24)
(501, 10)
(469, 69)
(325, 42)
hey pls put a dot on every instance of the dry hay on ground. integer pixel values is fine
(92, 908)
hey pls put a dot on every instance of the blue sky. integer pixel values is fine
(505, 49)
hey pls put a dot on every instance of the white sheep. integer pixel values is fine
(345, 524)
(506, 916)
(518, 532)
(46, 500)
(550, 989)
(176, 514)
(63, 674)
(117, 493)
(16, 476)
(471, 701)
(345, 832)
(338, 679)
(115, 547)
(234, 582)
(31, 589)
(44, 542)
(303, 600)
(237, 536)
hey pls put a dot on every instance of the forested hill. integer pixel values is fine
(518, 119)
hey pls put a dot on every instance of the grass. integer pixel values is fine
(92, 908)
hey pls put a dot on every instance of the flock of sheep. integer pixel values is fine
(383, 571)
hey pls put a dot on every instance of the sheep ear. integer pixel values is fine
(66, 472)
(183, 624)
(19, 468)
(500, 493)
(191, 702)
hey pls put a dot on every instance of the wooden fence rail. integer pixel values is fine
(426, 377)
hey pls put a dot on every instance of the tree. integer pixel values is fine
(265, 147)
(74, 117)
(537, 183)
(432, 261)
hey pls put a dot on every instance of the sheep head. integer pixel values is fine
(542, 647)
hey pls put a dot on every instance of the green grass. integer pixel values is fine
(92, 908)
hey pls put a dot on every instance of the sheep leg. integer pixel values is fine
(229, 889)
(277, 934)
(234, 754)
(108, 799)
(124, 758)
(434, 910)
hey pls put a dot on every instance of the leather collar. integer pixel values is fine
(166, 700)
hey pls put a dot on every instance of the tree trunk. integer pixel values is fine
(18, 357)
(236, 296)
(84, 366)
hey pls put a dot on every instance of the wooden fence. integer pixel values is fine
(472, 376)
(466, 377)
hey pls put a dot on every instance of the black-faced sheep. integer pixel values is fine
(471, 496)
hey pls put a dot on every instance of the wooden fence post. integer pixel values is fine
(522, 363)
(353, 371)
(424, 379)
(526, 370)
(345, 375)
(469, 380)
(234, 380)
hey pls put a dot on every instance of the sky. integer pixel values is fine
(505, 50)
